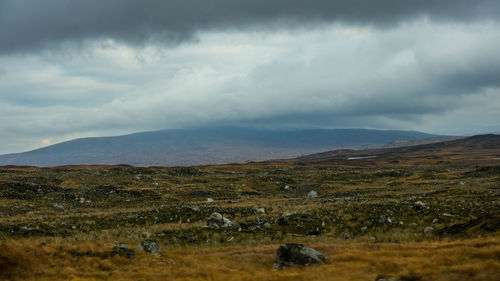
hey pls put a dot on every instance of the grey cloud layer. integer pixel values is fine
(27, 25)
(440, 78)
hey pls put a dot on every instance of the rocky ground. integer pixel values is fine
(82, 214)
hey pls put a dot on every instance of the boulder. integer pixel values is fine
(312, 194)
(428, 229)
(419, 205)
(260, 210)
(346, 235)
(218, 220)
(122, 249)
(58, 207)
(298, 255)
(149, 246)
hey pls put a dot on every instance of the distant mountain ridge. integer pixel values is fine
(184, 147)
(475, 150)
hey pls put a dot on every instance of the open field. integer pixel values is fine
(61, 223)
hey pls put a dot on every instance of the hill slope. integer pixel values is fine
(475, 150)
(204, 146)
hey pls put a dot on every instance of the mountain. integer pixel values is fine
(400, 143)
(182, 147)
(475, 150)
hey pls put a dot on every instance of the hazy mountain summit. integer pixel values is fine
(181, 147)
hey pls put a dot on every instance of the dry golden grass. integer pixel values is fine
(476, 259)
(40, 242)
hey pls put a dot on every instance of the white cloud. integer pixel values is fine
(441, 78)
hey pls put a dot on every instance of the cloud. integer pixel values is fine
(435, 77)
(27, 26)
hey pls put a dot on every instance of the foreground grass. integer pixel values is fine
(472, 259)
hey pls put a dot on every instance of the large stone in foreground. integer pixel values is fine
(298, 255)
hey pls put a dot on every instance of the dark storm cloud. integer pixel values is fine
(29, 24)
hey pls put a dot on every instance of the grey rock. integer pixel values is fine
(218, 220)
(428, 229)
(149, 246)
(419, 205)
(312, 194)
(122, 249)
(145, 234)
(58, 207)
(346, 235)
(298, 255)
(261, 210)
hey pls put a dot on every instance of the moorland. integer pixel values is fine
(429, 211)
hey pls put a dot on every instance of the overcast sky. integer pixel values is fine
(72, 69)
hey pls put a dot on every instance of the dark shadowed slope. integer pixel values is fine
(204, 146)
(475, 150)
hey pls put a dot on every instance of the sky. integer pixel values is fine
(71, 69)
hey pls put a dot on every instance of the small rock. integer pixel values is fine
(58, 207)
(217, 220)
(82, 200)
(122, 249)
(346, 235)
(210, 200)
(149, 246)
(428, 229)
(261, 210)
(312, 194)
(298, 255)
(146, 234)
(420, 203)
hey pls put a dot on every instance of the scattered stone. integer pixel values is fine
(210, 200)
(217, 220)
(346, 235)
(420, 203)
(122, 249)
(312, 194)
(146, 234)
(82, 200)
(149, 246)
(58, 207)
(298, 255)
(261, 210)
(411, 277)
(428, 229)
